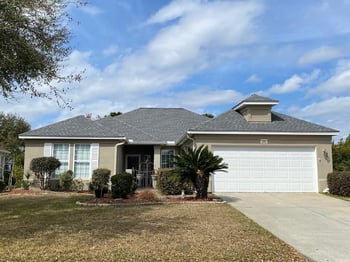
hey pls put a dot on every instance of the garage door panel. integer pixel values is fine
(266, 169)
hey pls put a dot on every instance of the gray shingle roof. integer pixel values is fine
(162, 125)
(235, 122)
(143, 125)
(154, 124)
(78, 126)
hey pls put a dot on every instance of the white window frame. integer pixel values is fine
(58, 171)
(93, 159)
(161, 160)
(133, 155)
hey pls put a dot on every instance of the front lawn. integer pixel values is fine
(53, 227)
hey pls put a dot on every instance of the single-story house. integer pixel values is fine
(266, 151)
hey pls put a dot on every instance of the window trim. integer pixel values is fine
(161, 161)
(82, 161)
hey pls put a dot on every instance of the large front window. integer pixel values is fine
(82, 161)
(166, 158)
(61, 152)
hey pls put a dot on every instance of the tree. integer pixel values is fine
(113, 114)
(341, 155)
(10, 127)
(43, 167)
(197, 165)
(208, 115)
(33, 37)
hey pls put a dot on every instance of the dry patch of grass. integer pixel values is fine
(52, 227)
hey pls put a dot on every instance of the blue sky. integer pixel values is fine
(206, 56)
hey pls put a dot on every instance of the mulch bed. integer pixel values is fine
(135, 198)
(138, 198)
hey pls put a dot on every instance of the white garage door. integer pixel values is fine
(266, 169)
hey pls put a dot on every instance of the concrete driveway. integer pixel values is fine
(317, 226)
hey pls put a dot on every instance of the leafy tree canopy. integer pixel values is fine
(10, 127)
(341, 155)
(208, 115)
(33, 39)
(113, 114)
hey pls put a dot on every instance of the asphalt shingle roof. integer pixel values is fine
(143, 125)
(162, 125)
(235, 122)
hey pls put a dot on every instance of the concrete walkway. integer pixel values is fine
(317, 226)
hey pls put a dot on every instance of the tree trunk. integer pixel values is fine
(201, 185)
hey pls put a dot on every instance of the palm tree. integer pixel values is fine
(197, 165)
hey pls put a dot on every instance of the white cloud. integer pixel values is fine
(253, 79)
(201, 36)
(332, 112)
(174, 10)
(318, 55)
(111, 50)
(338, 83)
(292, 84)
(91, 9)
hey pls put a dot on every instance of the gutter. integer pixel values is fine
(72, 137)
(262, 133)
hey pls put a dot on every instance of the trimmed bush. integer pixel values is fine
(43, 167)
(170, 183)
(99, 181)
(3, 185)
(339, 183)
(122, 185)
(66, 180)
(54, 185)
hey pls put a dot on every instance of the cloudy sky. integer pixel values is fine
(206, 56)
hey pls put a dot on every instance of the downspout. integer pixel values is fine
(116, 155)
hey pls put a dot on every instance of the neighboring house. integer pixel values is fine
(3, 154)
(266, 151)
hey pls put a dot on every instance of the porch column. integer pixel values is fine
(156, 157)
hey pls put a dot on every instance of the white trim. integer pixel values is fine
(269, 103)
(262, 133)
(72, 137)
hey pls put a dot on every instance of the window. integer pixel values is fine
(82, 161)
(166, 158)
(61, 152)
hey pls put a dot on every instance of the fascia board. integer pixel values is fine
(262, 133)
(72, 137)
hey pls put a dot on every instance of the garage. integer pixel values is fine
(266, 169)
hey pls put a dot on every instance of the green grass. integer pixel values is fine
(54, 228)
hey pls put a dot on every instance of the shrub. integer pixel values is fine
(122, 185)
(3, 185)
(339, 183)
(25, 184)
(78, 185)
(99, 181)
(43, 167)
(148, 196)
(66, 180)
(54, 185)
(170, 183)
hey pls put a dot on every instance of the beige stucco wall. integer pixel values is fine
(321, 143)
(107, 153)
